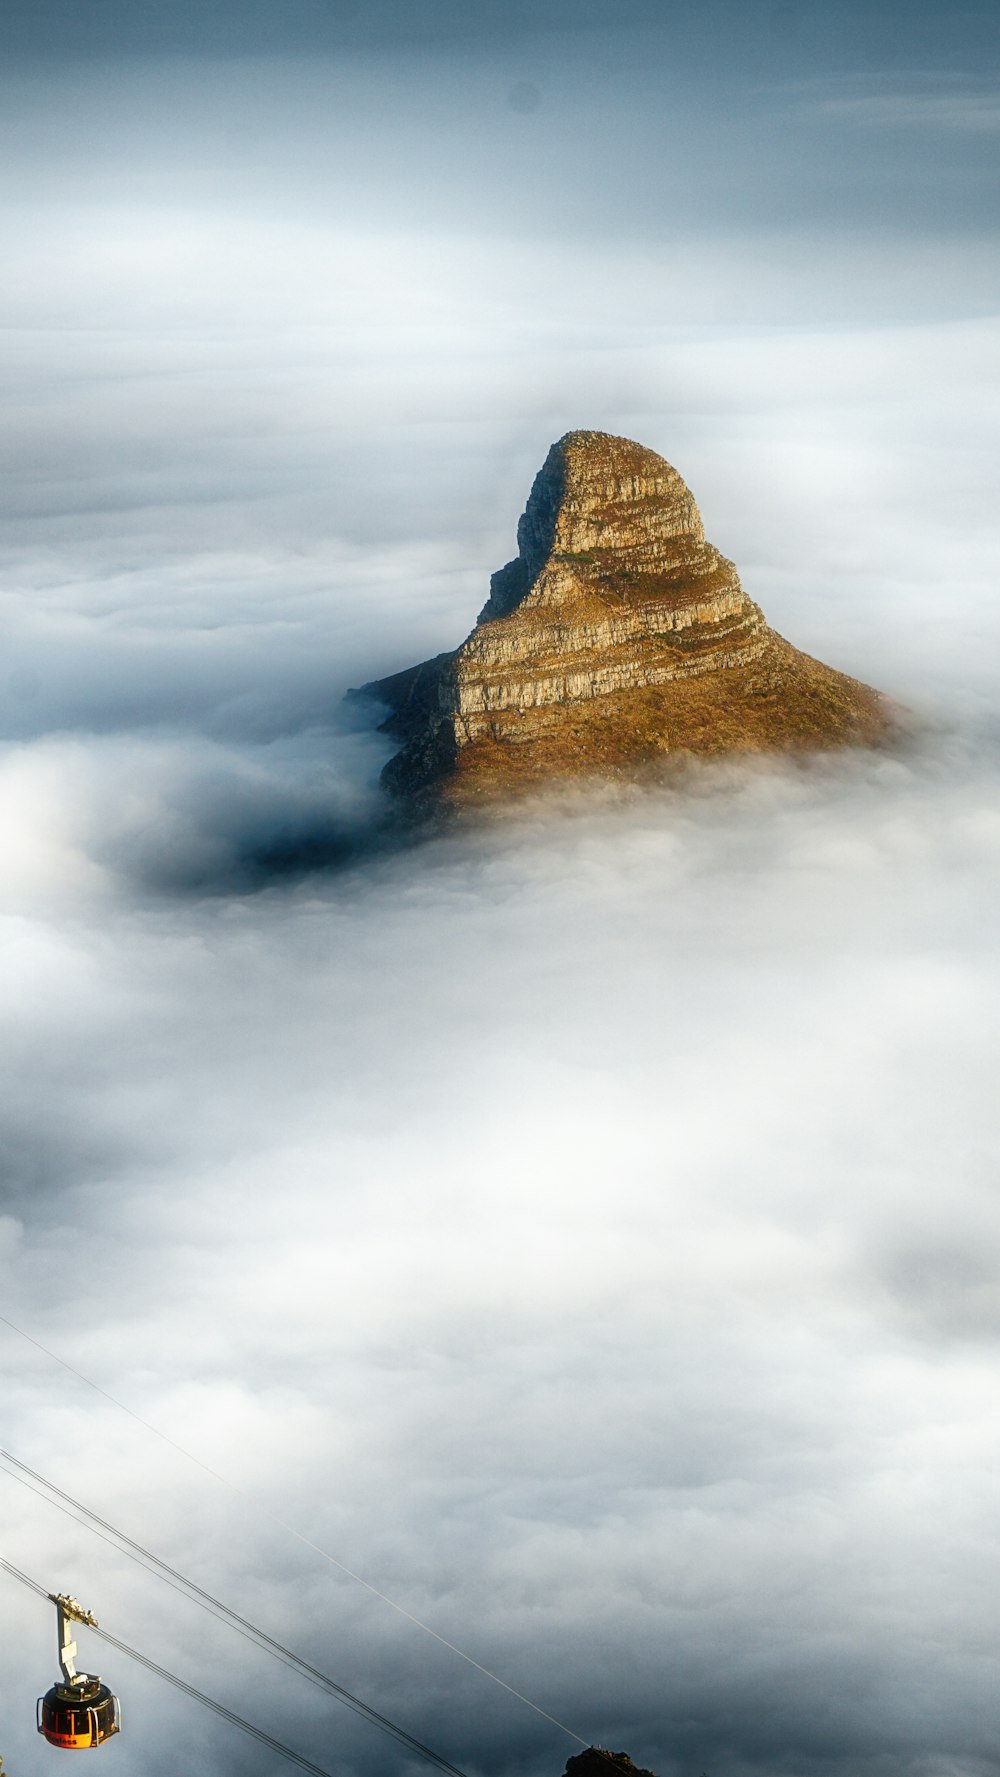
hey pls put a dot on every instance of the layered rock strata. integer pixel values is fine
(616, 635)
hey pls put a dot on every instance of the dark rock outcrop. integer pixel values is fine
(617, 635)
(597, 1762)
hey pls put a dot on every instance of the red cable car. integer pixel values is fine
(81, 1711)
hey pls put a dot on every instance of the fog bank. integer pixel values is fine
(583, 1226)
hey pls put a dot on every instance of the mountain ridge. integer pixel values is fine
(617, 635)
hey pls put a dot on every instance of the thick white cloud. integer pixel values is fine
(584, 1227)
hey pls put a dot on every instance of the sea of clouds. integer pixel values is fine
(583, 1227)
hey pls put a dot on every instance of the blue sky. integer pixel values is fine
(53, 29)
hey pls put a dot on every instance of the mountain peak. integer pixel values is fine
(616, 635)
(596, 1761)
(596, 493)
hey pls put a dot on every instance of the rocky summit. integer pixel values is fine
(617, 636)
(597, 1761)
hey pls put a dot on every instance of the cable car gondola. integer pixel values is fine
(79, 1712)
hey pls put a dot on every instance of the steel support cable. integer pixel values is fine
(299, 1536)
(196, 1594)
(229, 1715)
(238, 1721)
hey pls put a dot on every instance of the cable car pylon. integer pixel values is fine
(80, 1711)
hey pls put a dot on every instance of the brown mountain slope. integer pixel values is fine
(617, 635)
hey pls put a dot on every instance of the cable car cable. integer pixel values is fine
(293, 1661)
(190, 1690)
(283, 1524)
(181, 1684)
(222, 1612)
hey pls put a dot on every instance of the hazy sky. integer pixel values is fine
(585, 1229)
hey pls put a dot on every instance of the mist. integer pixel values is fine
(582, 1225)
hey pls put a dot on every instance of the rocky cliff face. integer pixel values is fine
(598, 1762)
(617, 635)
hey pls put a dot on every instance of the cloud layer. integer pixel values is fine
(584, 1228)
(587, 1231)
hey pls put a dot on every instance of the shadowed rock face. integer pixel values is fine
(596, 1762)
(616, 636)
